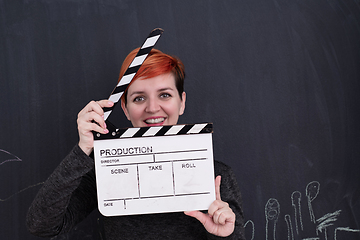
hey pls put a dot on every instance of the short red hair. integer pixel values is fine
(155, 64)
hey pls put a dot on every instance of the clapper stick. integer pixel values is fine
(132, 69)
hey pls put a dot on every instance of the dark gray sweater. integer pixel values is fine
(69, 195)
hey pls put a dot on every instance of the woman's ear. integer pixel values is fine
(182, 107)
(123, 106)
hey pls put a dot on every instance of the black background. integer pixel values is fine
(279, 79)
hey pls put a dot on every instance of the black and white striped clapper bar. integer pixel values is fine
(134, 66)
(152, 169)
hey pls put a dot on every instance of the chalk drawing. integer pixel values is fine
(326, 221)
(253, 228)
(15, 159)
(289, 227)
(296, 203)
(272, 212)
(312, 190)
(345, 229)
(22, 190)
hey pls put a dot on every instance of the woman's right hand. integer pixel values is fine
(91, 118)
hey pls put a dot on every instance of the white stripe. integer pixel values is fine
(138, 60)
(150, 41)
(152, 131)
(115, 97)
(129, 132)
(106, 114)
(174, 129)
(126, 79)
(197, 128)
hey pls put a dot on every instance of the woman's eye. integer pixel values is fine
(165, 95)
(138, 99)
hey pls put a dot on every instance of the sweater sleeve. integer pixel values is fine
(230, 193)
(66, 197)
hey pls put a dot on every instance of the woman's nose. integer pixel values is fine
(152, 106)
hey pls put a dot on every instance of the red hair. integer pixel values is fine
(155, 64)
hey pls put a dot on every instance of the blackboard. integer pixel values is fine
(279, 79)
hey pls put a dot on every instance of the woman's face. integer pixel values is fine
(154, 102)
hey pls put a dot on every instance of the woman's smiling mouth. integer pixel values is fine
(155, 120)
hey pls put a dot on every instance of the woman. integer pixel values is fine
(155, 97)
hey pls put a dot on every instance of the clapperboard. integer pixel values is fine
(152, 169)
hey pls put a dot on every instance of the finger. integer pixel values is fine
(91, 117)
(91, 122)
(96, 107)
(201, 217)
(222, 216)
(216, 205)
(95, 117)
(105, 103)
(90, 126)
(88, 108)
(217, 187)
(226, 217)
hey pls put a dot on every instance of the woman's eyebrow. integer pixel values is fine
(137, 92)
(165, 89)
(159, 90)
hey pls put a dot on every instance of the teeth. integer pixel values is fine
(154, 120)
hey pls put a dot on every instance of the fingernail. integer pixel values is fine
(106, 131)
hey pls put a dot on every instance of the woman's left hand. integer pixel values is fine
(220, 219)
